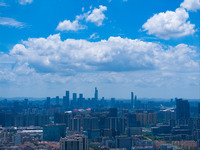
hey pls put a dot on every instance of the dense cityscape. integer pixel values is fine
(76, 123)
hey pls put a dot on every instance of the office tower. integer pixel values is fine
(112, 112)
(123, 142)
(80, 100)
(96, 94)
(57, 100)
(48, 102)
(198, 109)
(132, 97)
(74, 97)
(182, 109)
(54, 132)
(66, 100)
(74, 142)
(136, 103)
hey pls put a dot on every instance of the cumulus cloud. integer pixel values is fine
(67, 25)
(53, 62)
(170, 24)
(191, 5)
(52, 55)
(97, 16)
(24, 2)
(11, 22)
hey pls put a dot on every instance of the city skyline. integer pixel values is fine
(118, 46)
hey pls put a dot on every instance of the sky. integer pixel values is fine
(150, 47)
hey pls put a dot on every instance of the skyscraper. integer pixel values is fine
(57, 100)
(66, 100)
(132, 97)
(48, 102)
(74, 97)
(182, 109)
(96, 94)
(198, 109)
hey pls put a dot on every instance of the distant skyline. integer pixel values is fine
(149, 47)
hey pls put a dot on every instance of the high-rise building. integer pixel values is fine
(75, 124)
(113, 102)
(66, 100)
(48, 102)
(74, 97)
(54, 132)
(80, 100)
(57, 100)
(113, 112)
(142, 118)
(182, 109)
(90, 123)
(62, 118)
(132, 97)
(74, 142)
(198, 109)
(112, 123)
(96, 94)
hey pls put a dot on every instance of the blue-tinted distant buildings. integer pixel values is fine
(54, 132)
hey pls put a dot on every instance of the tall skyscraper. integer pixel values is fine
(96, 94)
(182, 109)
(198, 109)
(48, 102)
(74, 97)
(57, 100)
(66, 100)
(132, 97)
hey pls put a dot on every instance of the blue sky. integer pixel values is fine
(149, 47)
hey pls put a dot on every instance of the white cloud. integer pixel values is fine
(191, 5)
(24, 2)
(52, 62)
(11, 22)
(94, 36)
(67, 25)
(170, 24)
(52, 55)
(97, 16)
